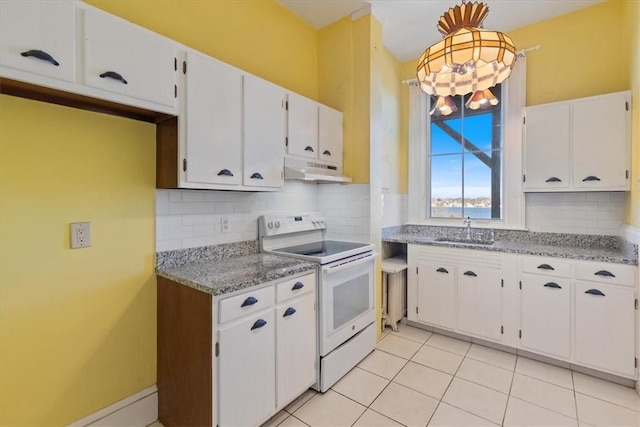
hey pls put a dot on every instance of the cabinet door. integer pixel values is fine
(264, 133)
(295, 348)
(246, 378)
(604, 322)
(213, 128)
(479, 302)
(124, 58)
(436, 294)
(546, 147)
(46, 26)
(545, 315)
(601, 146)
(302, 126)
(329, 134)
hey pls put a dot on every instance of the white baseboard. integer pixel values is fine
(139, 409)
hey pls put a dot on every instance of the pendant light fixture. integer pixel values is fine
(468, 59)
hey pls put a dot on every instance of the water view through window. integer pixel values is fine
(466, 162)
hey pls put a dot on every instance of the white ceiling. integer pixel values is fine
(409, 26)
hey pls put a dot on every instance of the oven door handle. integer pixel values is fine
(350, 264)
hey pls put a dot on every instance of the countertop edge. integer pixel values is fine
(263, 277)
(425, 240)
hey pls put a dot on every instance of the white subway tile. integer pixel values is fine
(599, 197)
(618, 196)
(204, 230)
(181, 208)
(168, 245)
(175, 196)
(192, 196)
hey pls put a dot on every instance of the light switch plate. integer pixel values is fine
(80, 235)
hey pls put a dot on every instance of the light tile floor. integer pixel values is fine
(416, 378)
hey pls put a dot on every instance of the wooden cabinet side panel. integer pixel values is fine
(167, 154)
(184, 355)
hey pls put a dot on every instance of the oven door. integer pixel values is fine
(346, 300)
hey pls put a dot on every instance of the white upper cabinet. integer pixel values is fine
(212, 130)
(302, 126)
(547, 147)
(231, 132)
(601, 149)
(578, 145)
(127, 59)
(329, 134)
(38, 37)
(264, 133)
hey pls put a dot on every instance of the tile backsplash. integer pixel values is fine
(576, 213)
(347, 211)
(192, 218)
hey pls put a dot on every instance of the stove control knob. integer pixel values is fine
(270, 225)
(277, 224)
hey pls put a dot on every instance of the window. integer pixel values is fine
(465, 153)
(468, 164)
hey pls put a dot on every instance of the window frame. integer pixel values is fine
(513, 198)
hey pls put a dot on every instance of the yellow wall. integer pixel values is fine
(581, 54)
(78, 327)
(258, 36)
(344, 83)
(631, 35)
(395, 140)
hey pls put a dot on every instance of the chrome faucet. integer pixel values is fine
(467, 223)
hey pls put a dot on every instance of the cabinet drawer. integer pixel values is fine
(294, 287)
(546, 266)
(606, 273)
(247, 303)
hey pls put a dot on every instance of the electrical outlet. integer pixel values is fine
(224, 224)
(80, 235)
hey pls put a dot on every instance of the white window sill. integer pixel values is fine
(475, 223)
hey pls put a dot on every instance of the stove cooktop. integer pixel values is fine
(322, 248)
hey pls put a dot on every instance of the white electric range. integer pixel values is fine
(346, 288)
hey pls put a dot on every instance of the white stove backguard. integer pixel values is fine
(282, 230)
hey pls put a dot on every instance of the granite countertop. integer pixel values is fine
(571, 246)
(224, 269)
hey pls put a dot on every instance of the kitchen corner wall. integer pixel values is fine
(192, 218)
(346, 210)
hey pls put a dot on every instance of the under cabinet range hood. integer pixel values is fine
(313, 170)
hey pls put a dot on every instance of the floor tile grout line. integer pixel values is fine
(575, 397)
(506, 408)
(542, 407)
(607, 401)
(446, 389)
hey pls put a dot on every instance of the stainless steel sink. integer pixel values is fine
(464, 241)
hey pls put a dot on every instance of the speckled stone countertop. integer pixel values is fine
(571, 246)
(222, 269)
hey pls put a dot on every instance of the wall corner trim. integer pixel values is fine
(139, 409)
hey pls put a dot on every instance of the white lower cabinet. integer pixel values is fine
(604, 327)
(545, 315)
(436, 294)
(267, 356)
(246, 378)
(295, 348)
(576, 311)
(480, 301)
